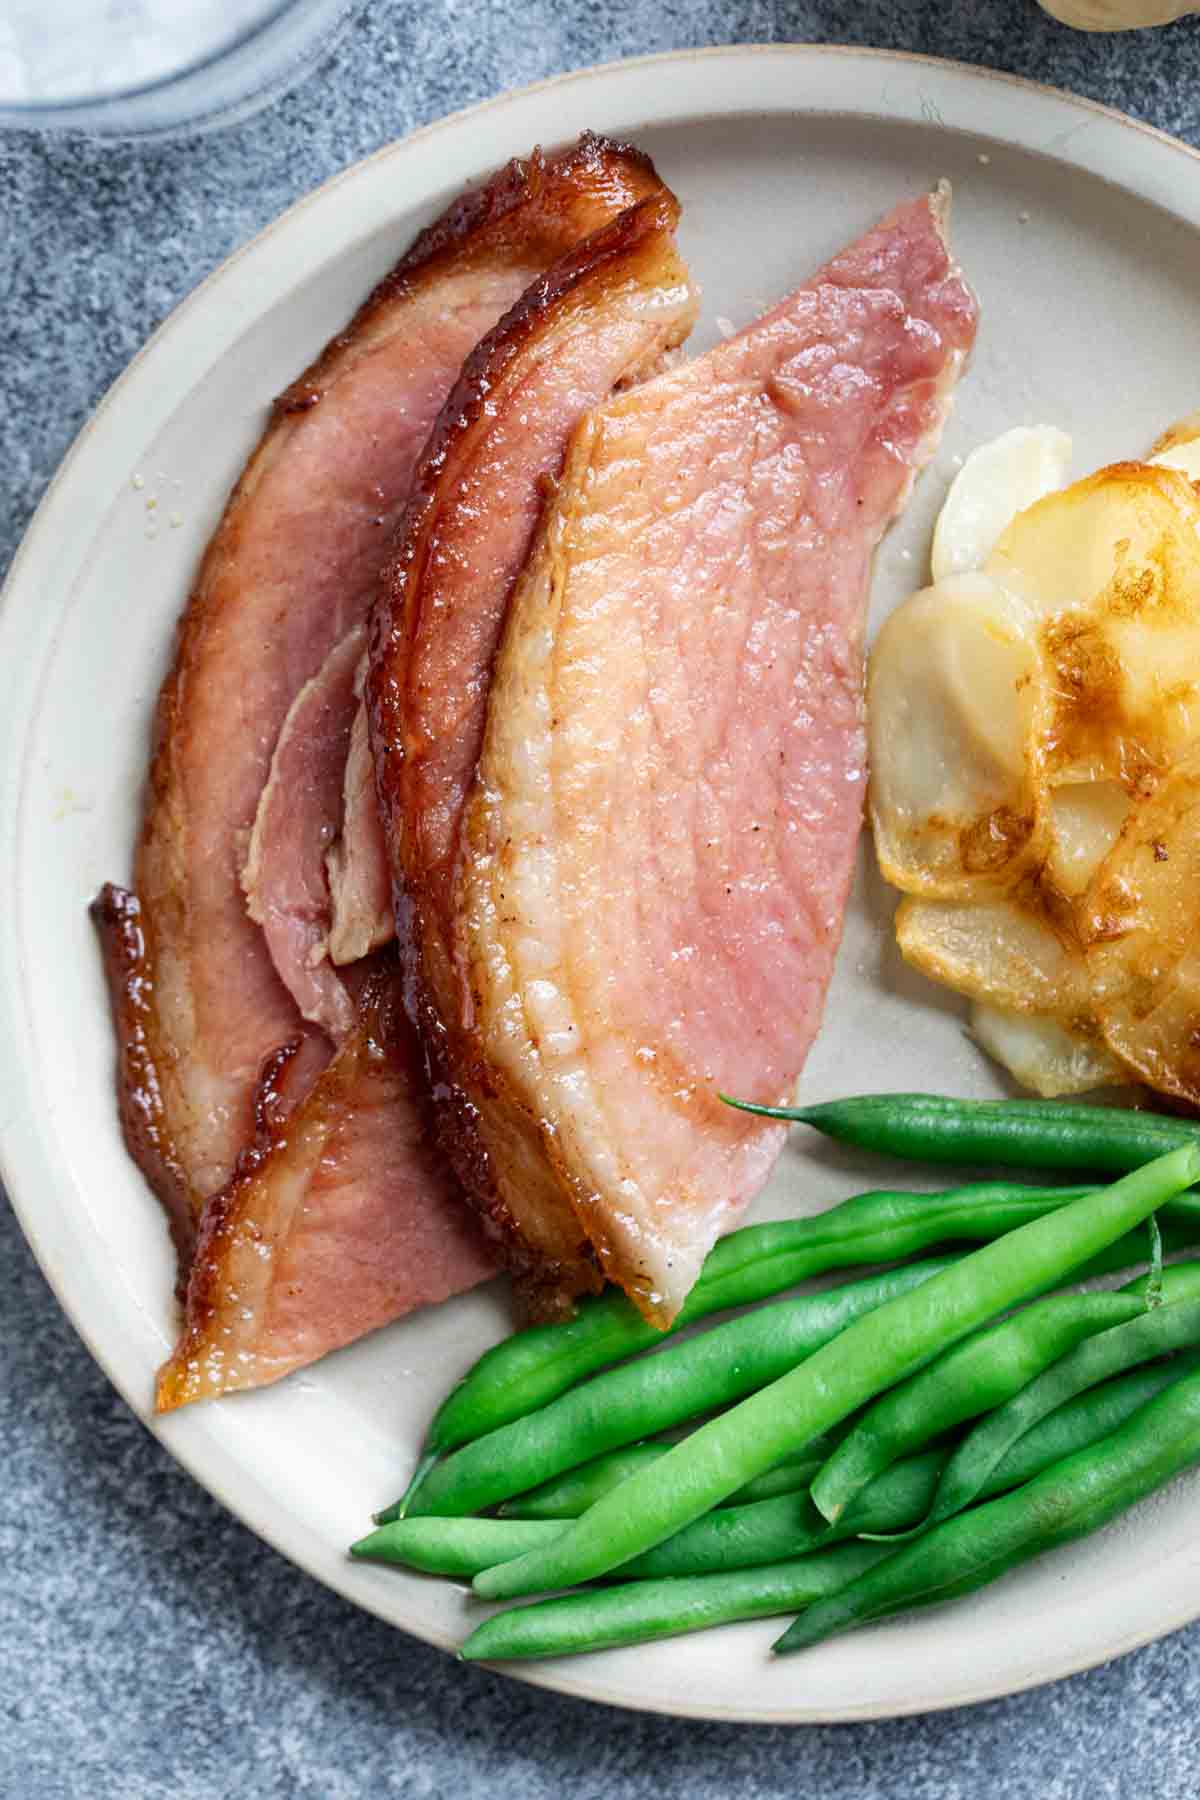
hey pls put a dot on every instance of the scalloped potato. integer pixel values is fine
(1041, 1053)
(953, 697)
(1034, 722)
(1110, 570)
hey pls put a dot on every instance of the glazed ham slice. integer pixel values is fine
(660, 840)
(607, 314)
(293, 566)
(335, 1225)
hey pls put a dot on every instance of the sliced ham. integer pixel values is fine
(292, 567)
(316, 876)
(606, 314)
(332, 1226)
(362, 917)
(660, 839)
(284, 878)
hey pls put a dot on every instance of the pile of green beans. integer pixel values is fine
(1173, 1326)
(970, 1378)
(536, 1365)
(684, 1380)
(874, 1352)
(688, 1598)
(827, 1422)
(1070, 1500)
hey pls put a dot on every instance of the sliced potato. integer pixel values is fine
(996, 481)
(1185, 431)
(1112, 566)
(1184, 456)
(953, 701)
(1140, 923)
(1085, 822)
(1035, 747)
(1042, 1054)
(996, 951)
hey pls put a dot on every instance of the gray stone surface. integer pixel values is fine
(150, 1647)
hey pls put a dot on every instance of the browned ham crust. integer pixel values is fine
(338, 1221)
(117, 915)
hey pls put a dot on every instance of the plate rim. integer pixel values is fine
(18, 1173)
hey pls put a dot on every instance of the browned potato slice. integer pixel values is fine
(1112, 566)
(1140, 922)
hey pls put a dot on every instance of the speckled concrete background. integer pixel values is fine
(150, 1647)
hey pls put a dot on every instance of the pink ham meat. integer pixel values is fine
(338, 1225)
(286, 886)
(604, 315)
(316, 876)
(293, 566)
(362, 917)
(660, 839)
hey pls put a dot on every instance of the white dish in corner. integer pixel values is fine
(1081, 232)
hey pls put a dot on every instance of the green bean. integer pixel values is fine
(1169, 1283)
(873, 1353)
(793, 1475)
(1068, 1501)
(973, 1376)
(684, 1380)
(639, 1611)
(534, 1366)
(457, 1547)
(790, 1525)
(1030, 1134)
(1173, 1325)
(566, 1496)
(1131, 1249)
(1154, 1282)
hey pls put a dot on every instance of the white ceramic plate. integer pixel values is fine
(1081, 232)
